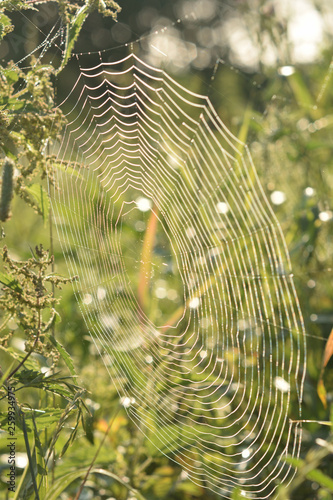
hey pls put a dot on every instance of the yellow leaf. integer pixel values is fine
(328, 350)
(326, 357)
(322, 392)
(146, 258)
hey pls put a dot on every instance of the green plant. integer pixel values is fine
(61, 426)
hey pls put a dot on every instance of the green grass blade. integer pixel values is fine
(28, 450)
(64, 481)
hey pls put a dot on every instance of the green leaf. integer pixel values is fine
(27, 447)
(191, 489)
(166, 439)
(60, 390)
(312, 145)
(302, 94)
(72, 436)
(5, 24)
(64, 481)
(237, 494)
(56, 385)
(312, 474)
(7, 372)
(16, 105)
(30, 363)
(73, 31)
(88, 425)
(42, 418)
(40, 462)
(162, 487)
(31, 377)
(9, 281)
(69, 170)
(321, 478)
(8, 147)
(41, 197)
(10, 74)
(21, 484)
(133, 374)
(64, 354)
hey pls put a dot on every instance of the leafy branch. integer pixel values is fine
(27, 299)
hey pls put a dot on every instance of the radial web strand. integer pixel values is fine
(184, 277)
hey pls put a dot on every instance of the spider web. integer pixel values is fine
(184, 277)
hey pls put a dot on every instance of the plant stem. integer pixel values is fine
(77, 496)
(27, 445)
(53, 294)
(33, 347)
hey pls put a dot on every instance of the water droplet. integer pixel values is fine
(286, 70)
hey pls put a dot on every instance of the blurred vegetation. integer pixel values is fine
(69, 419)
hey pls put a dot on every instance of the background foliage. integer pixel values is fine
(63, 415)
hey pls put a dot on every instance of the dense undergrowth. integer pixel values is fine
(73, 434)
